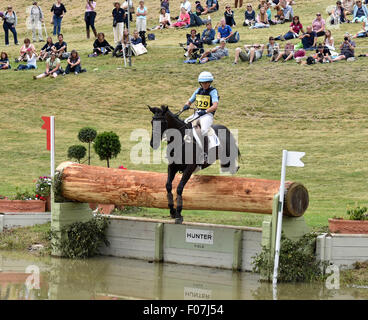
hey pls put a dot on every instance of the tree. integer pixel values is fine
(77, 152)
(87, 135)
(107, 146)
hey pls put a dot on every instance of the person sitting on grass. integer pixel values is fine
(199, 9)
(223, 32)
(287, 54)
(216, 53)
(261, 20)
(347, 48)
(229, 16)
(101, 46)
(287, 11)
(360, 13)
(60, 48)
(249, 16)
(74, 64)
(338, 14)
(329, 41)
(122, 47)
(46, 49)
(24, 49)
(193, 42)
(318, 25)
(211, 6)
(136, 39)
(53, 67)
(323, 54)
(295, 28)
(164, 20)
(348, 6)
(4, 61)
(183, 21)
(309, 39)
(31, 59)
(252, 53)
(362, 33)
(208, 34)
(272, 49)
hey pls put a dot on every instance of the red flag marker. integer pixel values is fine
(47, 126)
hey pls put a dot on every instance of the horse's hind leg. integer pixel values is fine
(171, 172)
(179, 200)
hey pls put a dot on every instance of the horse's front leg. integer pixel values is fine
(179, 191)
(171, 172)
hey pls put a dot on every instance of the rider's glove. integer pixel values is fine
(186, 107)
(202, 113)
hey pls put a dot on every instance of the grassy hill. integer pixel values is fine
(318, 109)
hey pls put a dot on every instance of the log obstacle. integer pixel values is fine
(83, 183)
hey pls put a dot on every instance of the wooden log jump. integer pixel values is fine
(83, 183)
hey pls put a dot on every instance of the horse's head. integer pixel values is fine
(159, 125)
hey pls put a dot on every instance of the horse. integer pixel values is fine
(182, 152)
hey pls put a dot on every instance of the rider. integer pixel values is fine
(205, 100)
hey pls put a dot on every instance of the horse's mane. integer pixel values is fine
(172, 116)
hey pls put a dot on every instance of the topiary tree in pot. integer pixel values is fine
(87, 135)
(107, 146)
(77, 152)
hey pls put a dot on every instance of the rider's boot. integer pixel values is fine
(204, 154)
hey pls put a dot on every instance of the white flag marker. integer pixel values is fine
(289, 159)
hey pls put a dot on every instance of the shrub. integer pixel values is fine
(107, 146)
(297, 262)
(358, 213)
(43, 186)
(77, 152)
(87, 135)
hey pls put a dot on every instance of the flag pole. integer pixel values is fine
(279, 217)
(52, 142)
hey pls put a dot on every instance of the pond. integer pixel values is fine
(23, 276)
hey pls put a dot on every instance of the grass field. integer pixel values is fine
(318, 109)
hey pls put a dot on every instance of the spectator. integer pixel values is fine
(347, 48)
(24, 49)
(252, 53)
(240, 3)
(31, 59)
(184, 19)
(363, 33)
(193, 42)
(250, 16)
(323, 54)
(208, 34)
(142, 21)
(287, 11)
(309, 39)
(360, 12)
(261, 20)
(267, 7)
(60, 48)
(329, 40)
(166, 5)
(199, 8)
(186, 5)
(135, 39)
(216, 53)
(211, 6)
(122, 48)
(90, 16)
(118, 15)
(272, 49)
(261, 4)
(36, 18)
(101, 46)
(74, 64)
(229, 16)
(223, 32)
(348, 6)
(338, 14)
(125, 6)
(59, 10)
(318, 25)
(164, 20)
(295, 28)
(4, 61)
(46, 49)
(10, 22)
(53, 68)
(287, 54)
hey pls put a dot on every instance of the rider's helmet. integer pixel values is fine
(205, 76)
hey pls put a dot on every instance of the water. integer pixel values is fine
(117, 278)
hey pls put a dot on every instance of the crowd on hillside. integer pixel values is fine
(316, 42)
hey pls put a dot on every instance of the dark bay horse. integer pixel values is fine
(183, 152)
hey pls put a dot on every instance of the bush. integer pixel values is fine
(297, 262)
(82, 239)
(87, 135)
(358, 213)
(107, 146)
(43, 186)
(77, 152)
